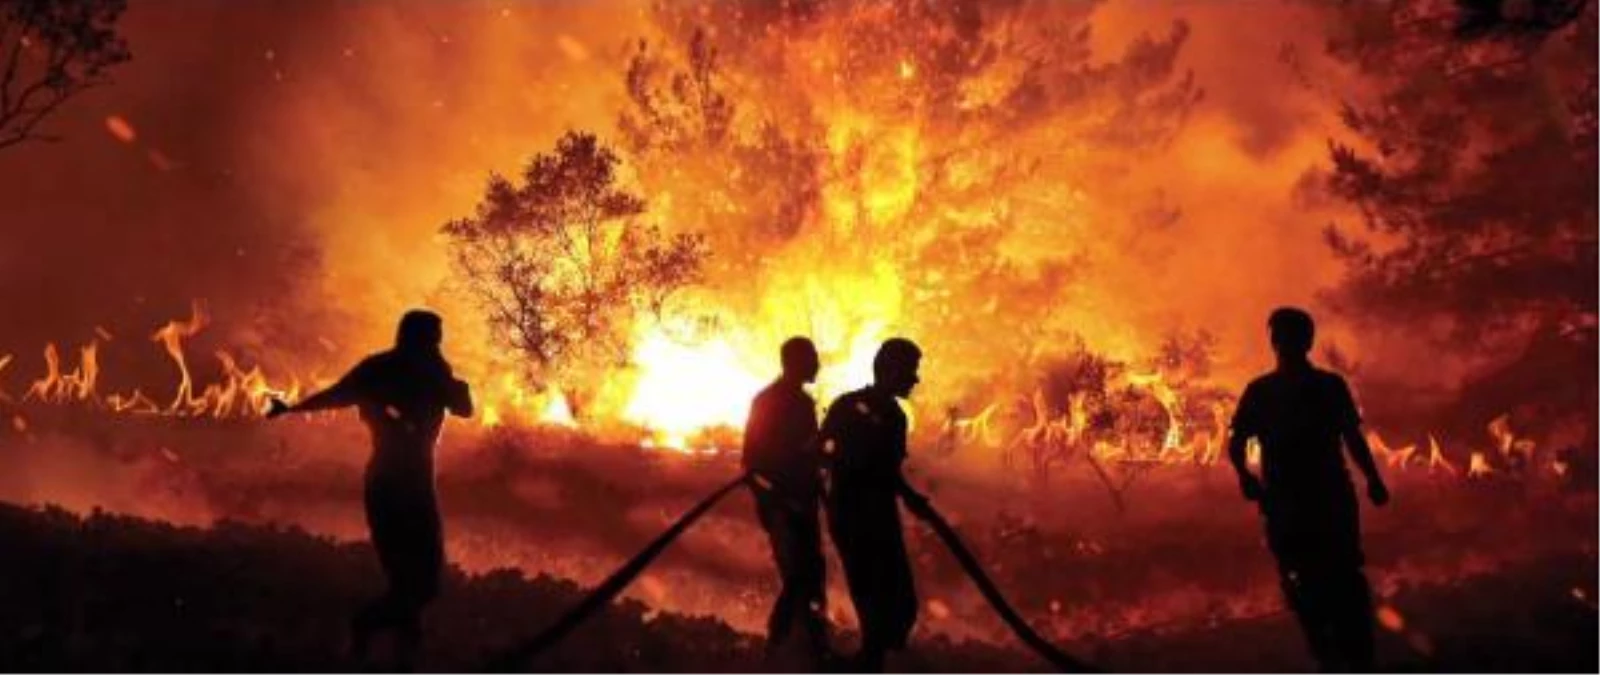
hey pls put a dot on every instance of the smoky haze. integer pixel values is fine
(287, 164)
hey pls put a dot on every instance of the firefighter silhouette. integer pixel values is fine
(402, 395)
(1301, 416)
(863, 439)
(780, 449)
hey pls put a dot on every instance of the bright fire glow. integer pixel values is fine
(508, 399)
(684, 388)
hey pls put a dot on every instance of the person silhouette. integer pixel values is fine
(780, 449)
(402, 395)
(863, 441)
(1300, 415)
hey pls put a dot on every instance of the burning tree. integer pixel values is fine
(53, 50)
(564, 263)
(1476, 186)
(932, 162)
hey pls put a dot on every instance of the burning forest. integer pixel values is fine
(1082, 214)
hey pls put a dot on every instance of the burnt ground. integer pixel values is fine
(116, 593)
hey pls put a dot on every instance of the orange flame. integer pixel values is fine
(171, 337)
(241, 393)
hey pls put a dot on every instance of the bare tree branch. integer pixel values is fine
(78, 42)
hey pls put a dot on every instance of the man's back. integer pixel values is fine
(402, 399)
(780, 439)
(1299, 415)
(1305, 420)
(866, 438)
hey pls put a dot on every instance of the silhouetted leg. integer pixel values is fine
(781, 537)
(406, 533)
(1354, 621)
(371, 618)
(420, 581)
(1354, 618)
(1293, 539)
(408, 634)
(853, 542)
(1307, 599)
(1306, 594)
(899, 591)
(870, 658)
(811, 586)
(387, 532)
(872, 549)
(1329, 548)
(781, 620)
(862, 580)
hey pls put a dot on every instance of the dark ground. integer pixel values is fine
(114, 593)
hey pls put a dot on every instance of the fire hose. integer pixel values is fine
(608, 590)
(969, 564)
(613, 585)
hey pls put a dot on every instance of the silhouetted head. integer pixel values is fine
(420, 331)
(800, 362)
(894, 369)
(1292, 332)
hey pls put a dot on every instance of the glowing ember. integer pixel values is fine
(1391, 619)
(572, 48)
(120, 129)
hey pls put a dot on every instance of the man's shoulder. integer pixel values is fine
(1329, 381)
(779, 394)
(374, 363)
(867, 405)
(1270, 381)
(1262, 382)
(1327, 376)
(850, 401)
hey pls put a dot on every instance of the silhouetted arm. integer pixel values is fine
(1239, 435)
(346, 392)
(754, 433)
(827, 442)
(1238, 446)
(828, 434)
(460, 398)
(1355, 443)
(915, 501)
(752, 452)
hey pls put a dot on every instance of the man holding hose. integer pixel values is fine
(780, 451)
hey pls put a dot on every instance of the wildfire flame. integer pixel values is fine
(512, 401)
(1168, 398)
(59, 387)
(240, 393)
(685, 387)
